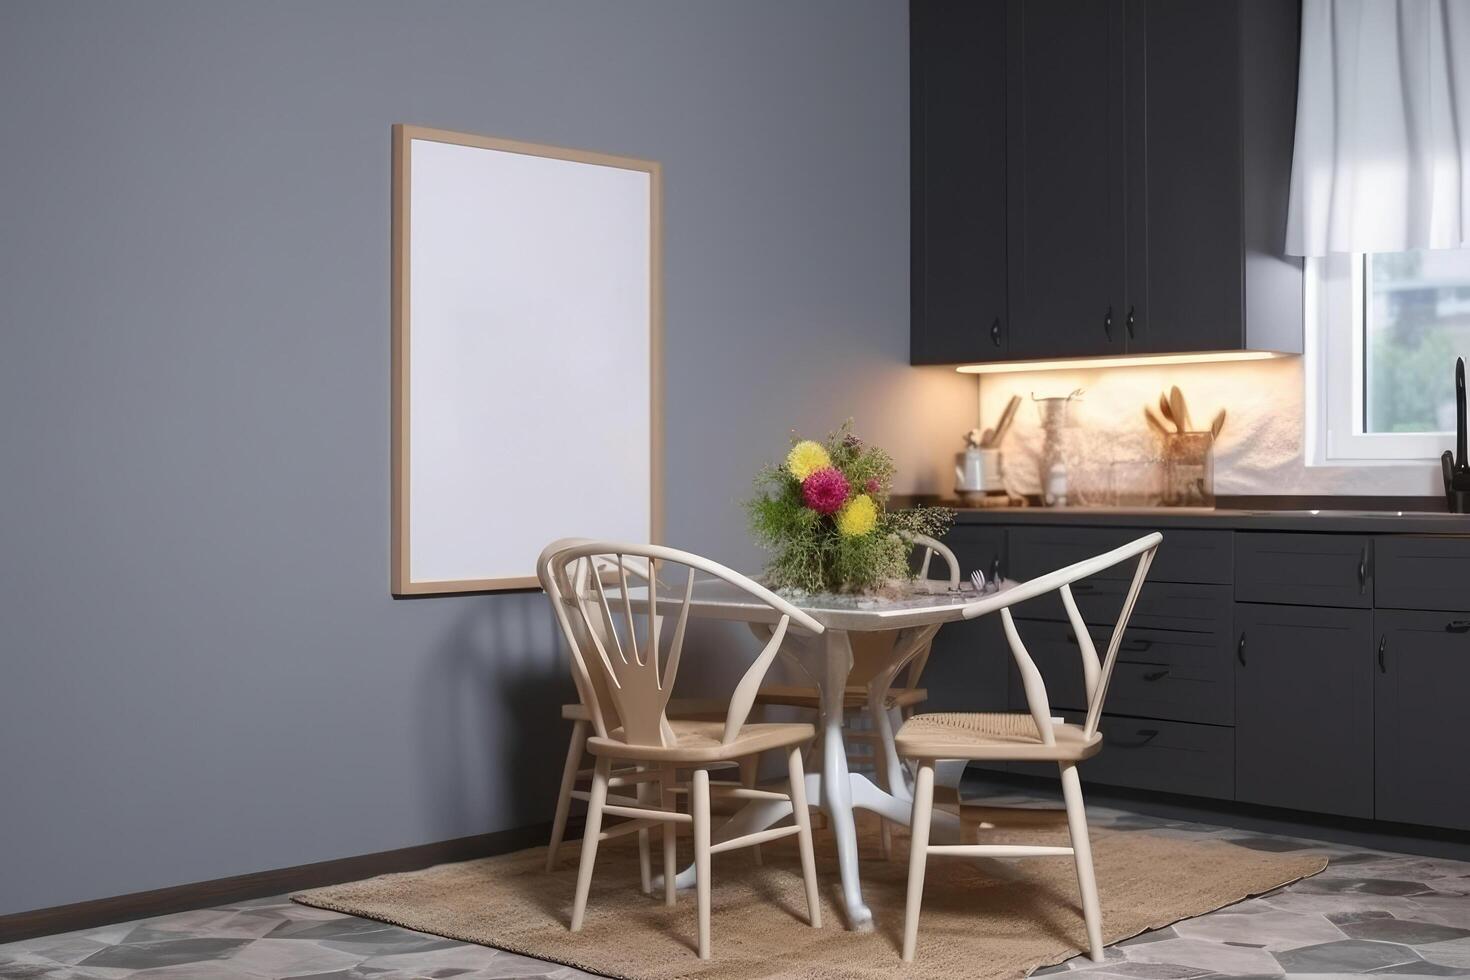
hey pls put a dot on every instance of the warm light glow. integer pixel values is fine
(1128, 360)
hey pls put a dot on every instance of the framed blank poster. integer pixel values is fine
(526, 356)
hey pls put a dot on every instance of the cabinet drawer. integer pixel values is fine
(1161, 605)
(1159, 674)
(1166, 756)
(1304, 569)
(1185, 556)
(1422, 573)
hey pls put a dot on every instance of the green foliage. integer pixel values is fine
(809, 553)
(1410, 383)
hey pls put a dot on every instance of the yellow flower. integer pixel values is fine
(806, 458)
(858, 516)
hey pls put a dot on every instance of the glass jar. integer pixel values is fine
(1189, 469)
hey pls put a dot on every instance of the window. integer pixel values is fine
(1388, 329)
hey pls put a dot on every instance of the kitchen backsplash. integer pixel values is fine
(1260, 449)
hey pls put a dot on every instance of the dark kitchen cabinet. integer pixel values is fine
(968, 664)
(1423, 672)
(1147, 148)
(958, 208)
(1067, 264)
(1304, 708)
(1414, 572)
(1211, 122)
(1304, 569)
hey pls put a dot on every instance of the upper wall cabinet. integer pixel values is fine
(1147, 161)
(1067, 191)
(958, 115)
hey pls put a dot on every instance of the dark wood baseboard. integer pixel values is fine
(223, 891)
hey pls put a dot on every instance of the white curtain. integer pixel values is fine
(1382, 159)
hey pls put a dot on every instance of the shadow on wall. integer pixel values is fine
(491, 738)
(489, 709)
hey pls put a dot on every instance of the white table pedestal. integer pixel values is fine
(833, 789)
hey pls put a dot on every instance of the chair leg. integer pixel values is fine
(803, 817)
(749, 772)
(568, 781)
(595, 802)
(918, 855)
(699, 806)
(645, 859)
(1082, 853)
(670, 831)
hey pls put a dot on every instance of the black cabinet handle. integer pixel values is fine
(1132, 646)
(1145, 736)
(995, 332)
(1382, 643)
(1457, 626)
(1363, 570)
(1156, 675)
(1108, 323)
(1240, 650)
(1129, 323)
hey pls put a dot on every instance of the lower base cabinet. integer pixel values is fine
(1304, 708)
(1420, 686)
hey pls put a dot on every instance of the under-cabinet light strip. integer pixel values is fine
(1128, 360)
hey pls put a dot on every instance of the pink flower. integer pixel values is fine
(872, 486)
(825, 490)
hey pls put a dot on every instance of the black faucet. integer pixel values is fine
(1456, 465)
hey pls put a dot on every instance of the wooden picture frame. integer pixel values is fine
(424, 499)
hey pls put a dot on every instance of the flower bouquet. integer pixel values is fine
(823, 515)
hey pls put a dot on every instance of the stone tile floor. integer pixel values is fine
(1369, 912)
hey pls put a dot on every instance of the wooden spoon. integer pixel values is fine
(1164, 407)
(1154, 422)
(1218, 424)
(1177, 409)
(1006, 417)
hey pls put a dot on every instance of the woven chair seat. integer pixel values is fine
(991, 736)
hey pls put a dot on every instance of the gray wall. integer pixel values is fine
(201, 670)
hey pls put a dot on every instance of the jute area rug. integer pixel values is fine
(981, 917)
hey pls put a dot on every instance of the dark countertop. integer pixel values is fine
(1361, 515)
(1355, 521)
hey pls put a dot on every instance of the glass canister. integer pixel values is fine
(1189, 469)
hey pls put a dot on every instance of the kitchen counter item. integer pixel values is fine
(979, 471)
(1054, 418)
(1456, 465)
(1189, 469)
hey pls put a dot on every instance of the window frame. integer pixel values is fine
(1336, 304)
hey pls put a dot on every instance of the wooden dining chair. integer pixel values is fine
(871, 652)
(576, 776)
(625, 671)
(1031, 736)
